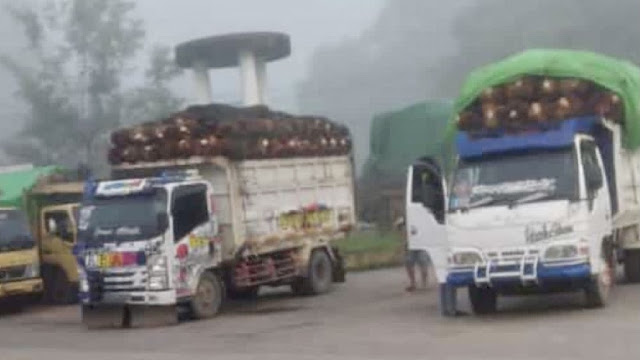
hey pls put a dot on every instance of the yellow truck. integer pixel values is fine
(37, 234)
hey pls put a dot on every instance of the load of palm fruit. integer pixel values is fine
(237, 133)
(533, 102)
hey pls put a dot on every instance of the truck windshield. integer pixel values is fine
(514, 179)
(123, 218)
(14, 231)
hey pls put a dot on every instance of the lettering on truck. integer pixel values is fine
(538, 232)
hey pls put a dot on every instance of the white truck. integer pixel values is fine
(553, 209)
(183, 233)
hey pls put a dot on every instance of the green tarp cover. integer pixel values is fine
(619, 76)
(13, 184)
(398, 138)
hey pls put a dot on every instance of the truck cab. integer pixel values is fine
(151, 242)
(57, 228)
(20, 271)
(524, 214)
(53, 212)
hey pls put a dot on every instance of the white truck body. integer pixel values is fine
(269, 222)
(518, 233)
(252, 198)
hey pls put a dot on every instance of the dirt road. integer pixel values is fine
(370, 317)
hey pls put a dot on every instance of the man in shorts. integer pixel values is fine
(418, 258)
(414, 258)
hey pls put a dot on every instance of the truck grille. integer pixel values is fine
(116, 281)
(511, 254)
(124, 281)
(12, 273)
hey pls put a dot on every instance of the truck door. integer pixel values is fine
(58, 237)
(596, 189)
(426, 209)
(193, 234)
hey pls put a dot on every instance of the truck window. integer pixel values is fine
(189, 209)
(426, 189)
(62, 229)
(14, 231)
(590, 165)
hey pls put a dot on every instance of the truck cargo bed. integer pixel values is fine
(270, 204)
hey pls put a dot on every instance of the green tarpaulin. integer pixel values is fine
(619, 76)
(398, 138)
(13, 184)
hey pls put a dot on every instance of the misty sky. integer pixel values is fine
(311, 23)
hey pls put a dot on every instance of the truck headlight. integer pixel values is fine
(32, 270)
(158, 266)
(465, 258)
(556, 252)
(158, 274)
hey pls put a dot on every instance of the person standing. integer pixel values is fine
(413, 259)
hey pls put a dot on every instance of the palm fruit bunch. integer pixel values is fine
(237, 133)
(532, 102)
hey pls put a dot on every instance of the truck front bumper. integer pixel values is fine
(24, 288)
(534, 275)
(154, 298)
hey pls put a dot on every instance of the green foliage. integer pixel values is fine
(79, 54)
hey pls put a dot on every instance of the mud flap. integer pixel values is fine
(103, 317)
(339, 275)
(142, 316)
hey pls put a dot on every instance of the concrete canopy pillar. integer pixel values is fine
(250, 51)
(202, 83)
(251, 71)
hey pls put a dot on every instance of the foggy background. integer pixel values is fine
(353, 59)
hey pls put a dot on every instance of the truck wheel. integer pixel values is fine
(208, 297)
(483, 300)
(319, 276)
(597, 292)
(60, 291)
(632, 265)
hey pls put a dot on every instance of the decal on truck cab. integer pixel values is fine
(535, 233)
(121, 187)
(197, 248)
(516, 187)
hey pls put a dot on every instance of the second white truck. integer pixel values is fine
(545, 206)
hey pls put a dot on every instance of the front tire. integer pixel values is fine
(207, 300)
(58, 289)
(319, 275)
(483, 300)
(598, 290)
